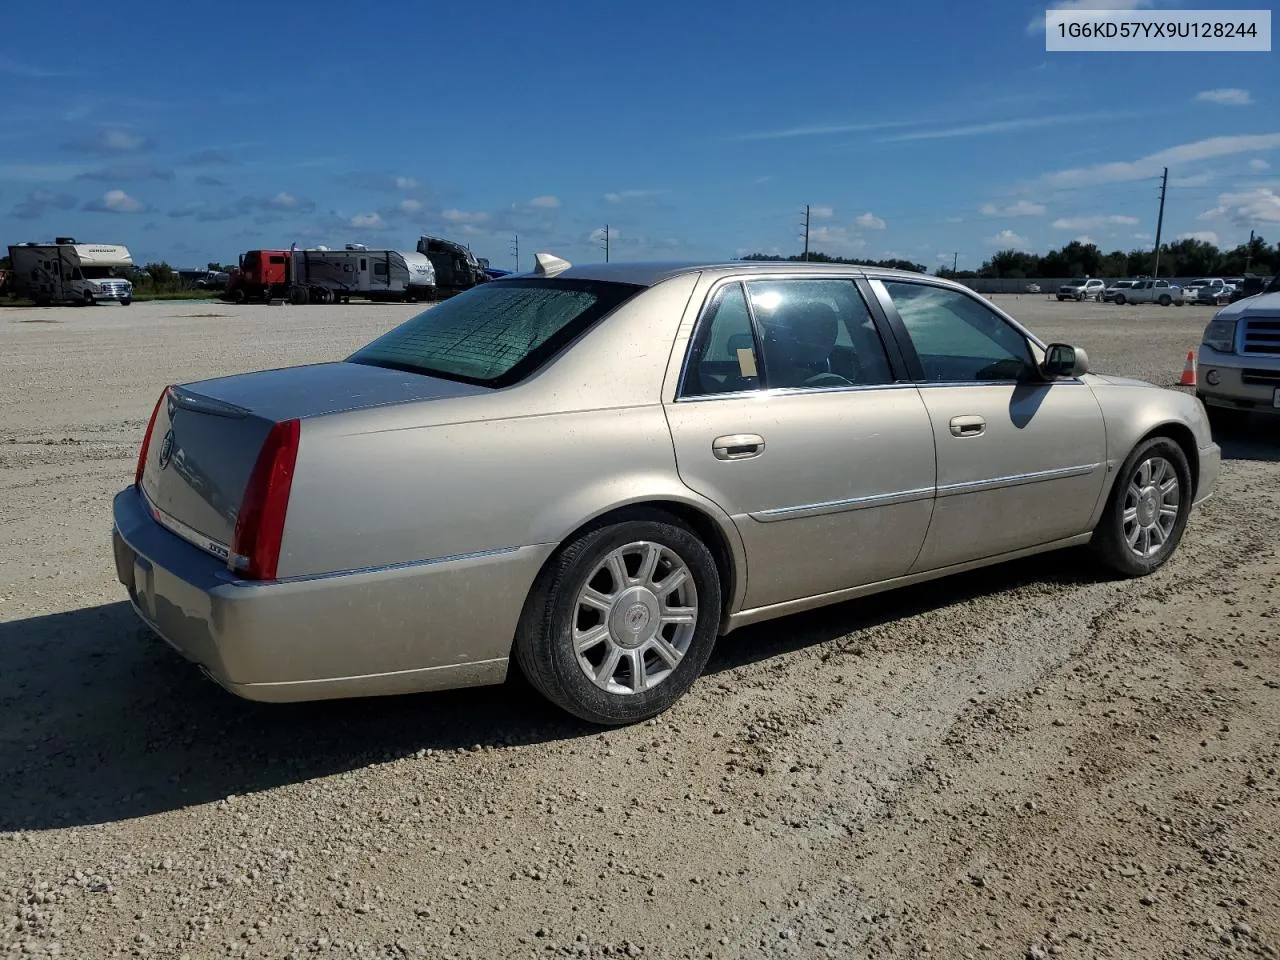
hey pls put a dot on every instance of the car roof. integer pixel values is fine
(651, 273)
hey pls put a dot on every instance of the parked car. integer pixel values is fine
(1208, 290)
(1033, 288)
(1239, 359)
(596, 471)
(1249, 286)
(1117, 288)
(1081, 290)
(1151, 291)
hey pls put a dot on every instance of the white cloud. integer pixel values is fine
(406, 183)
(410, 205)
(623, 196)
(993, 126)
(1204, 236)
(834, 239)
(1152, 165)
(116, 201)
(464, 216)
(1261, 205)
(869, 221)
(1143, 236)
(546, 202)
(824, 130)
(822, 212)
(1037, 22)
(1085, 239)
(283, 200)
(1225, 96)
(1257, 164)
(1093, 222)
(1007, 238)
(1023, 208)
(368, 221)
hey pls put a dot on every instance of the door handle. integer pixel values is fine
(737, 446)
(972, 426)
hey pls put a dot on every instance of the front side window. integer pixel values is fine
(498, 333)
(957, 338)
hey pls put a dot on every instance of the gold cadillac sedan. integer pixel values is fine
(597, 471)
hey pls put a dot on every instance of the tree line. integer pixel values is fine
(1185, 258)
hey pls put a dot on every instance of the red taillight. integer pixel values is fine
(146, 440)
(255, 551)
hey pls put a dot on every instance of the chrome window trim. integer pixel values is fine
(779, 392)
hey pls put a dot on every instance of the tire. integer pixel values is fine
(299, 296)
(126, 301)
(1111, 543)
(1165, 300)
(1119, 299)
(1060, 299)
(555, 610)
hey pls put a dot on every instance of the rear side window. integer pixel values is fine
(817, 333)
(498, 333)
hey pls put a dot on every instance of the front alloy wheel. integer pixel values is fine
(1147, 511)
(1151, 506)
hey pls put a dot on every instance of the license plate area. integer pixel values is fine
(1275, 398)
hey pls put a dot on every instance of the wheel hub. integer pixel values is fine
(1148, 504)
(634, 617)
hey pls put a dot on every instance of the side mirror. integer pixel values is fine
(1063, 360)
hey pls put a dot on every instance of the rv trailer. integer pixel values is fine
(68, 272)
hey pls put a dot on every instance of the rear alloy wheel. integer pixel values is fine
(1147, 510)
(622, 620)
(1119, 299)
(1165, 300)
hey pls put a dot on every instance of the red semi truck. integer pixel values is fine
(261, 275)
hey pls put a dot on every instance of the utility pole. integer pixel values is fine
(806, 233)
(955, 263)
(515, 249)
(606, 243)
(1164, 185)
(1248, 253)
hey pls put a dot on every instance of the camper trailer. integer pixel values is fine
(68, 272)
(455, 266)
(321, 275)
(326, 276)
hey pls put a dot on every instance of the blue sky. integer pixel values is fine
(192, 134)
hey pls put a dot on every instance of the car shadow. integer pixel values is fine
(103, 722)
(1256, 438)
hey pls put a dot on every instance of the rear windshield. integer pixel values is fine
(497, 333)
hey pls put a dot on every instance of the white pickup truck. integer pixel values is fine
(1152, 291)
(1213, 290)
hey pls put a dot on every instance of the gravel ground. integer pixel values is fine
(1027, 761)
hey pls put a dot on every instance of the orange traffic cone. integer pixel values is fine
(1189, 371)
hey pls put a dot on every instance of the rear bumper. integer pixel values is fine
(398, 629)
(1244, 383)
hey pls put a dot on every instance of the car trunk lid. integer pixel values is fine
(207, 436)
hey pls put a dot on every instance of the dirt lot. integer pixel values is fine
(1026, 761)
